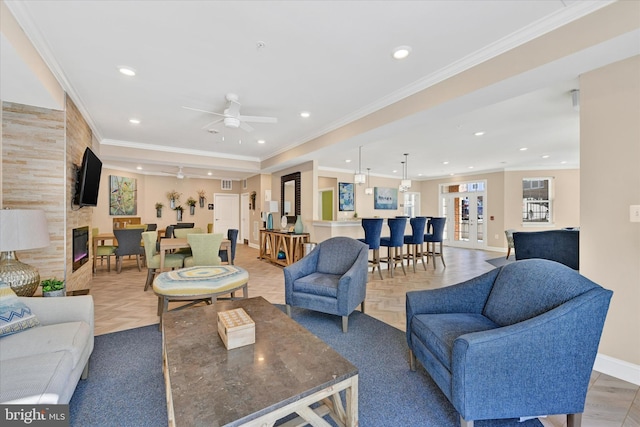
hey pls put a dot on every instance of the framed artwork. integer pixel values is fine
(345, 194)
(385, 198)
(123, 196)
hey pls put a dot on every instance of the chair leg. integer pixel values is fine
(412, 361)
(402, 261)
(508, 252)
(465, 423)
(345, 324)
(574, 420)
(288, 310)
(389, 265)
(85, 371)
(138, 261)
(362, 307)
(376, 257)
(150, 274)
(118, 264)
(441, 255)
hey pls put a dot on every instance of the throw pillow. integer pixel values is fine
(15, 316)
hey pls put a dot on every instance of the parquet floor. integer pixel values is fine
(120, 304)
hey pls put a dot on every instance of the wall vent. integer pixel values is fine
(244, 184)
(226, 184)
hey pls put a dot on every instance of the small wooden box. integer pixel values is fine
(236, 328)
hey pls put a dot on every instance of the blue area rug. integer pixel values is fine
(126, 386)
(500, 261)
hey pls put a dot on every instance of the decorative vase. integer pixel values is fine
(299, 227)
(192, 210)
(179, 212)
(283, 222)
(269, 221)
(158, 213)
(172, 203)
(202, 202)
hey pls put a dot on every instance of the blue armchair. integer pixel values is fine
(518, 341)
(331, 279)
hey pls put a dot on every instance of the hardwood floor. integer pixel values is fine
(121, 303)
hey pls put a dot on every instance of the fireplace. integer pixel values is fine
(80, 247)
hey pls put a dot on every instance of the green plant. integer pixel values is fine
(50, 285)
(159, 205)
(202, 193)
(191, 201)
(173, 195)
(178, 208)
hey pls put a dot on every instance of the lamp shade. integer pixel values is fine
(23, 229)
(271, 206)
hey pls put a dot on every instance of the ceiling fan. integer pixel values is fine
(179, 174)
(231, 115)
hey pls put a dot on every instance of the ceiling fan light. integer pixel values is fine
(232, 122)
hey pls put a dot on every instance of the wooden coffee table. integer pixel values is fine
(284, 372)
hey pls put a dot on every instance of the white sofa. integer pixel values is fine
(43, 364)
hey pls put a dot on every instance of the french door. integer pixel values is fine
(464, 210)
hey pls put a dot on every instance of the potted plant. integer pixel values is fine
(173, 197)
(201, 197)
(159, 207)
(179, 210)
(53, 288)
(192, 205)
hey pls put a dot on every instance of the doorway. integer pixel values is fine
(244, 217)
(464, 206)
(226, 212)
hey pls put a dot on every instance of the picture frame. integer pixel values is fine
(346, 201)
(123, 195)
(385, 198)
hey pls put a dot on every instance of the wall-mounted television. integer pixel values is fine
(88, 180)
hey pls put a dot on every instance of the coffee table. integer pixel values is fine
(284, 372)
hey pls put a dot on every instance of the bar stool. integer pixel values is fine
(436, 224)
(372, 230)
(394, 244)
(415, 240)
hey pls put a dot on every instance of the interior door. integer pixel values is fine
(226, 212)
(465, 220)
(244, 217)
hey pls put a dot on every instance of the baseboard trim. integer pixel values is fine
(617, 368)
(254, 245)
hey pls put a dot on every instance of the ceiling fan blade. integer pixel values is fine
(212, 123)
(259, 119)
(245, 127)
(233, 109)
(203, 111)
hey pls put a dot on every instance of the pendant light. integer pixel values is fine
(369, 189)
(405, 184)
(359, 178)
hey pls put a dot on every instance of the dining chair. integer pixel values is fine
(394, 244)
(152, 256)
(415, 241)
(436, 226)
(205, 249)
(232, 235)
(372, 231)
(129, 243)
(103, 251)
(509, 235)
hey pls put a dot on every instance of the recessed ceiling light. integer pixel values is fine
(305, 114)
(523, 149)
(209, 173)
(348, 160)
(479, 133)
(134, 121)
(419, 174)
(470, 167)
(395, 171)
(261, 141)
(546, 156)
(564, 162)
(401, 52)
(127, 71)
(445, 162)
(139, 168)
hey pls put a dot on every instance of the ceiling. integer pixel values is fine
(332, 59)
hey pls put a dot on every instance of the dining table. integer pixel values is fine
(177, 243)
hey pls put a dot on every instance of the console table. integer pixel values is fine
(272, 242)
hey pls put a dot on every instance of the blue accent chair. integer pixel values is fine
(394, 244)
(436, 235)
(562, 246)
(332, 278)
(518, 341)
(415, 240)
(232, 235)
(372, 231)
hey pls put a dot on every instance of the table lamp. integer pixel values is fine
(21, 229)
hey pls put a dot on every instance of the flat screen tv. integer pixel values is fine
(88, 180)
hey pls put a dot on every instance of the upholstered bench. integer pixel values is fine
(198, 284)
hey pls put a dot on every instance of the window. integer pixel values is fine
(536, 201)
